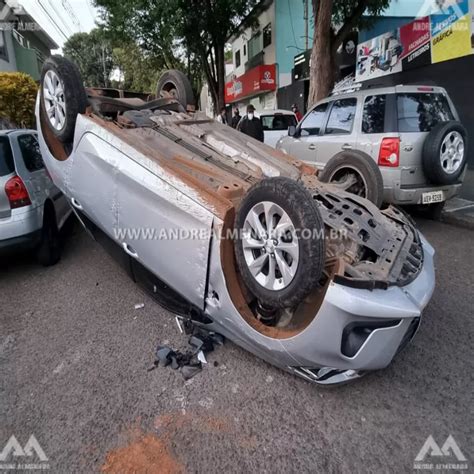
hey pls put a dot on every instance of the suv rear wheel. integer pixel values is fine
(355, 173)
(445, 152)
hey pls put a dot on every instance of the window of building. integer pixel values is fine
(255, 45)
(373, 119)
(237, 58)
(421, 112)
(3, 46)
(267, 35)
(313, 122)
(245, 50)
(31, 153)
(341, 117)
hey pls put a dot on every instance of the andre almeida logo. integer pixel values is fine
(29, 457)
(433, 457)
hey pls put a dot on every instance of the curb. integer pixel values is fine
(459, 212)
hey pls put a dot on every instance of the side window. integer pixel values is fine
(421, 112)
(341, 117)
(373, 119)
(313, 122)
(31, 153)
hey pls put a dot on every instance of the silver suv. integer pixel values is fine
(400, 144)
(32, 208)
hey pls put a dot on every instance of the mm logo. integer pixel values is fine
(14, 447)
(431, 451)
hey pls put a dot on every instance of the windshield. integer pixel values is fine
(6, 157)
(277, 121)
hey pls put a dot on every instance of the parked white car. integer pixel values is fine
(32, 208)
(275, 124)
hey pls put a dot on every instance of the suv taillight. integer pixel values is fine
(17, 193)
(389, 154)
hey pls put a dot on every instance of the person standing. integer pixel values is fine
(251, 125)
(298, 114)
(236, 118)
(222, 117)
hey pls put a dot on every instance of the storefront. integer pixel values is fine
(257, 87)
(433, 50)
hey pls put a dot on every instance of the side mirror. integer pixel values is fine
(291, 131)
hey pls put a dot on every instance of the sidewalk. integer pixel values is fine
(460, 210)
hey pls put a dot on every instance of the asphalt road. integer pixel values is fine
(74, 358)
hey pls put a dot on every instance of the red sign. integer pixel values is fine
(414, 35)
(259, 79)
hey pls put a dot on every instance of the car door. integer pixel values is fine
(307, 138)
(30, 166)
(339, 133)
(7, 171)
(92, 182)
(165, 232)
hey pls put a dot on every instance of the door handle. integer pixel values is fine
(129, 250)
(346, 146)
(76, 204)
(312, 146)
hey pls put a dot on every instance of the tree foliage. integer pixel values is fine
(334, 20)
(185, 34)
(139, 72)
(17, 98)
(92, 52)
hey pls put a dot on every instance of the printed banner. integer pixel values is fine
(445, 35)
(379, 56)
(451, 32)
(415, 38)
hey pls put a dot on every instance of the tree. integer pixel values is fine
(185, 34)
(92, 52)
(347, 15)
(17, 99)
(139, 72)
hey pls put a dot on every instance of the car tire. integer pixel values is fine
(176, 84)
(295, 266)
(62, 96)
(445, 152)
(345, 164)
(49, 249)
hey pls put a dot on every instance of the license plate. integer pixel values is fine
(432, 197)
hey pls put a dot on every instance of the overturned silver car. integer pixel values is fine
(233, 234)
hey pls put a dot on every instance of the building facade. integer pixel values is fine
(24, 45)
(262, 56)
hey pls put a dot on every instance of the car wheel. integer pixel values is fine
(176, 84)
(49, 249)
(280, 245)
(355, 173)
(62, 96)
(445, 152)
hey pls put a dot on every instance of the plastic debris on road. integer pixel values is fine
(189, 362)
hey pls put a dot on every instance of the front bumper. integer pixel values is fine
(393, 313)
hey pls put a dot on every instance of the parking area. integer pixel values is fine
(75, 353)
